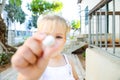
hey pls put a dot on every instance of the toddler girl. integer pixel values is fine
(35, 61)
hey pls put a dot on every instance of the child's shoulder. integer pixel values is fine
(68, 57)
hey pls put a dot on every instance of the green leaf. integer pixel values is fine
(75, 24)
(57, 6)
(16, 2)
(43, 6)
(11, 1)
(15, 12)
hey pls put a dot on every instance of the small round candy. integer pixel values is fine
(48, 41)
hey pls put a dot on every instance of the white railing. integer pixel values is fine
(104, 26)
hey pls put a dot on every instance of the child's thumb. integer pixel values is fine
(50, 50)
(45, 57)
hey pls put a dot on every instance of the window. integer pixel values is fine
(86, 15)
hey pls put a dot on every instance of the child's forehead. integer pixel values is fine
(53, 30)
(52, 27)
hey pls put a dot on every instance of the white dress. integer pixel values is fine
(58, 73)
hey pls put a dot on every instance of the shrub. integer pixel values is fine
(5, 58)
(84, 54)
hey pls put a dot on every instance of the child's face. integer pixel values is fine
(59, 33)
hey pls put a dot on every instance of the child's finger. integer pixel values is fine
(34, 46)
(48, 51)
(18, 60)
(29, 56)
(39, 36)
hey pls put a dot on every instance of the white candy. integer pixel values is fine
(48, 41)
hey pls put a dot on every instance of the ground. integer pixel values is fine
(4, 67)
(81, 58)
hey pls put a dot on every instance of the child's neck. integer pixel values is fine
(57, 56)
(56, 61)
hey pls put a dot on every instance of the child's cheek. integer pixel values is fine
(60, 44)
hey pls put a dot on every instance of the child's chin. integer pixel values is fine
(54, 55)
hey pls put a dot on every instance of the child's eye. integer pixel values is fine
(59, 37)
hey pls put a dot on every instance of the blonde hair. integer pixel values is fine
(52, 22)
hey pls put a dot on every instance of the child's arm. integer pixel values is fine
(20, 77)
(74, 71)
(30, 60)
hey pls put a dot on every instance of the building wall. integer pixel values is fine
(11, 36)
(83, 5)
(91, 4)
(101, 65)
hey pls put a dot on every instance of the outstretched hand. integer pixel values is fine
(31, 59)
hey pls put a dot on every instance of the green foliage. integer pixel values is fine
(84, 54)
(57, 6)
(43, 6)
(71, 37)
(15, 12)
(34, 20)
(75, 24)
(5, 58)
(16, 2)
